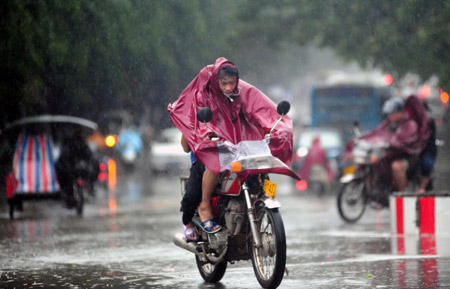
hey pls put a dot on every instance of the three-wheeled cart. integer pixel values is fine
(32, 174)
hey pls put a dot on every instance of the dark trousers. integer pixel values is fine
(193, 195)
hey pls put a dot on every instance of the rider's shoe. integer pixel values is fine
(191, 233)
(376, 206)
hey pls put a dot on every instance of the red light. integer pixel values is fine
(103, 166)
(444, 97)
(388, 79)
(301, 185)
(425, 91)
(102, 177)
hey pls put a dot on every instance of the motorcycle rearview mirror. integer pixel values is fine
(204, 114)
(283, 107)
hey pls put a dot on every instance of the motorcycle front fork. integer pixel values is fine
(251, 216)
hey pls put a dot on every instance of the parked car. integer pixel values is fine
(167, 155)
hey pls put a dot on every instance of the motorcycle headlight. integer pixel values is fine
(236, 166)
(110, 141)
(302, 152)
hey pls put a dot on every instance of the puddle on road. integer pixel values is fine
(74, 276)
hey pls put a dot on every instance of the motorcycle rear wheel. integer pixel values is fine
(269, 261)
(352, 200)
(79, 199)
(317, 188)
(211, 273)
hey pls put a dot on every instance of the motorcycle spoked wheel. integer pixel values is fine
(352, 201)
(211, 273)
(269, 261)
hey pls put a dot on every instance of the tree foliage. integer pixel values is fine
(85, 57)
(397, 36)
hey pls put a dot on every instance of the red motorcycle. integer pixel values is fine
(244, 205)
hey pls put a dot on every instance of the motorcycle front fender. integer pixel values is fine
(348, 178)
(268, 203)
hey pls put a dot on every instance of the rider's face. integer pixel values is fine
(395, 117)
(227, 84)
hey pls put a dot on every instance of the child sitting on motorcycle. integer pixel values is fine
(192, 197)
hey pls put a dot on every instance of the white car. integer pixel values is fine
(167, 155)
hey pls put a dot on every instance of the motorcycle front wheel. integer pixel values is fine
(269, 260)
(211, 273)
(352, 200)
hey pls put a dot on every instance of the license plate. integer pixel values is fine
(349, 170)
(270, 188)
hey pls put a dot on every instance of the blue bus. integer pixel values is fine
(339, 106)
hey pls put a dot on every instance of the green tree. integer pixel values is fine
(85, 57)
(397, 36)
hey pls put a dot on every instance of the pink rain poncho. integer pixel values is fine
(316, 156)
(404, 139)
(250, 116)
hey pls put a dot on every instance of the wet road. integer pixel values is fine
(124, 240)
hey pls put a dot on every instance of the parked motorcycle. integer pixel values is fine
(244, 205)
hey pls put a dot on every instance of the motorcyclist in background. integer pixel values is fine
(130, 145)
(417, 109)
(316, 156)
(401, 136)
(74, 148)
(428, 158)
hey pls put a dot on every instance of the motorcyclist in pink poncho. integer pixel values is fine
(316, 156)
(400, 133)
(240, 112)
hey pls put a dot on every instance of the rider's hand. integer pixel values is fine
(211, 138)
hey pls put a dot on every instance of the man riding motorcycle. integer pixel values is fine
(400, 133)
(240, 112)
(316, 156)
(74, 148)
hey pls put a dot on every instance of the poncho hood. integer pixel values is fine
(214, 79)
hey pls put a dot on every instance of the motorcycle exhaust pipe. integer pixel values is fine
(180, 240)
